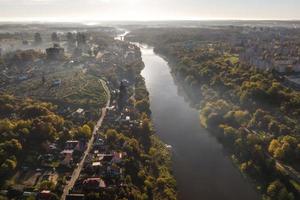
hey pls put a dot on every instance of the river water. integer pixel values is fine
(201, 168)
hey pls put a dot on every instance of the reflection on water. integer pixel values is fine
(201, 168)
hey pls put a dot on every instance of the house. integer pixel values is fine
(56, 83)
(22, 77)
(96, 167)
(75, 197)
(29, 194)
(67, 157)
(75, 145)
(46, 159)
(72, 144)
(79, 111)
(80, 115)
(114, 170)
(55, 53)
(96, 164)
(45, 195)
(98, 144)
(107, 157)
(93, 184)
(117, 157)
(52, 147)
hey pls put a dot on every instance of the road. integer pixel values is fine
(292, 173)
(289, 170)
(78, 169)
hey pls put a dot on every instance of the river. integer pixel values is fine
(201, 167)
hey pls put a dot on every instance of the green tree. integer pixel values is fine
(84, 132)
(8, 167)
(143, 106)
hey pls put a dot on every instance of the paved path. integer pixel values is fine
(78, 169)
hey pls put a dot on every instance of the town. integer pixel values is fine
(149, 100)
(98, 139)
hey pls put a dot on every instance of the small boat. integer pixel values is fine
(169, 147)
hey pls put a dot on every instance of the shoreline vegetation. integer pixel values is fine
(238, 104)
(148, 167)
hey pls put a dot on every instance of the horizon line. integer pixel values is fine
(52, 20)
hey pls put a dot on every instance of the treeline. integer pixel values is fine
(251, 112)
(152, 172)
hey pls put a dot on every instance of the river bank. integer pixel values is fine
(201, 167)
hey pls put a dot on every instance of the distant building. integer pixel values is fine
(54, 37)
(37, 38)
(81, 39)
(56, 83)
(55, 53)
(22, 77)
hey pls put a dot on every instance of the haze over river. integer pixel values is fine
(202, 170)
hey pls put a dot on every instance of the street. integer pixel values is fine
(78, 169)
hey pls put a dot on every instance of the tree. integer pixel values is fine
(284, 148)
(241, 116)
(37, 38)
(285, 195)
(146, 127)
(92, 196)
(54, 37)
(3, 198)
(276, 190)
(112, 136)
(8, 166)
(6, 126)
(46, 185)
(70, 38)
(42, 131)
(12, 147)
(34, 111)
(273, 188)
(143, 106)
(84, 132)
(230, 134)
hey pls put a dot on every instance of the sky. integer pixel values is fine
(144, 10)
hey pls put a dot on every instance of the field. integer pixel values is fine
(75, 87)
